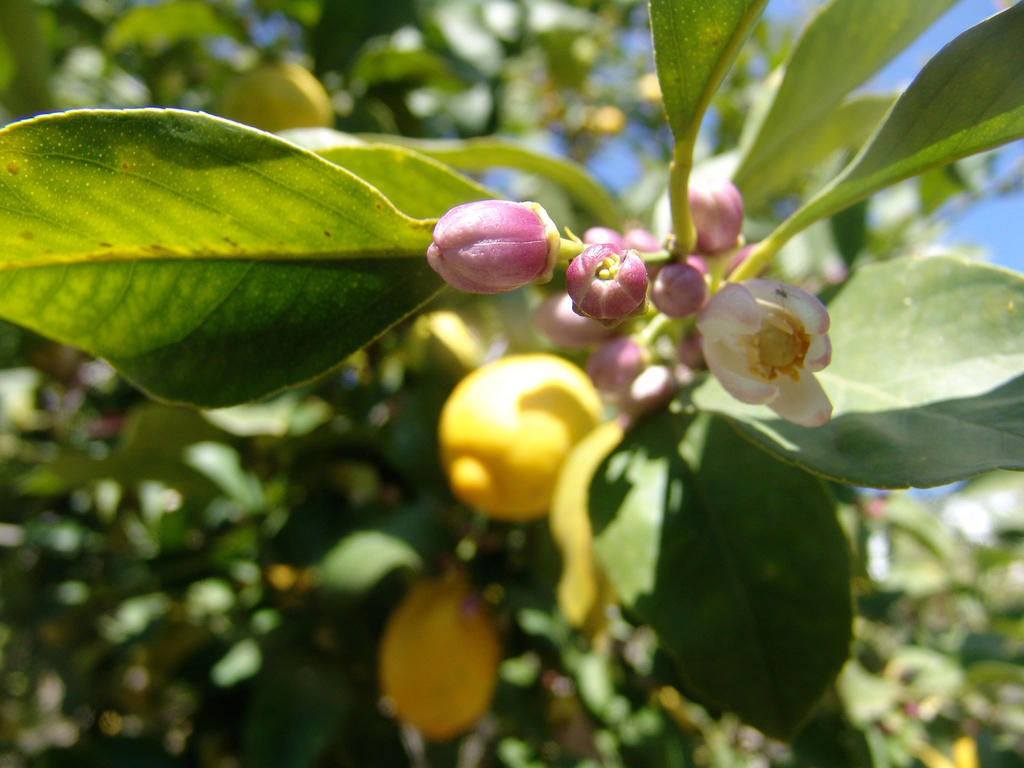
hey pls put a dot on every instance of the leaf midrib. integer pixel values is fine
(163, 254)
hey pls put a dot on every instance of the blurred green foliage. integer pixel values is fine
(207, 588)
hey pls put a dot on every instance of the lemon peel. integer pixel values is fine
(438, 657)
(506, 429)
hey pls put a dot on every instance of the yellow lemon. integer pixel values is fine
(278, 95)
(507, 427)
(439, 655)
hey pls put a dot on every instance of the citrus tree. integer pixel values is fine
(505, 383)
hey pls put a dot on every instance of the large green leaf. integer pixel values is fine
(735, 559)
(694, 44)
(211, 263)
(968, 98)
(844, 44)
(484, 154)
(845, 128)
(927, 378)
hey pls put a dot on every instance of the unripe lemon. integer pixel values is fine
(278, 95)
(507, 427)
(439, 658)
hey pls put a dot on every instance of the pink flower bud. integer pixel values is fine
(647, 391)
(691, 353)
(555, 318)
(491, 246)
(679, 290)
(717, 213)
(641, 240)
(613, 366)
(598, 235)
(607, 283)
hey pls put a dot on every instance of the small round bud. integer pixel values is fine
(647, 391)
(597, 235)
(491, 246)
(607, 283)
(717, 213)
(614, 365)
(691, 353)
(679, 290)
(641, 240)
(555, 318)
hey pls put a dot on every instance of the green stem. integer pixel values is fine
(716, 272)
(654, 328)
(569, 250)
(760, 257)
(678, 186)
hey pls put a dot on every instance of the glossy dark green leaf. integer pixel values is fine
(484, 154)
(842, 46)
(927, 378)
(209, 262)
(968, 98)
(694, 44)
(298, 707)
(735, 559)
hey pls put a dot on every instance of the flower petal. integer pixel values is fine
(802, 402)
(819, 353)
(796, 301)
(729, 366)
(732, 311)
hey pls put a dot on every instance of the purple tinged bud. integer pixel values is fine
(613, 366)
(653, 387)
(641, 240)
(555, 318)
(607, 283)
(691, 352)
(491, 246)
(717, 213)
(598, 235)
(680, 290)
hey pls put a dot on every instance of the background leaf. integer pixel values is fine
(843, 45)
(209, 262)
(476, 155)
(166, 23)
(694, 43)
(745, 582)
(846, 127)
(297, 708)
(414, 183)
(927, 378)
(968, 98)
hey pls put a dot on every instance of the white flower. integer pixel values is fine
(763, 340)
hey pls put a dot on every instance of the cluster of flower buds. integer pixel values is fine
(622, 372)
(761, 339)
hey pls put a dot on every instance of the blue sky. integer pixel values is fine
(997, 224)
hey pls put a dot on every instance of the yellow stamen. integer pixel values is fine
(608, 268)
(779, 347)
